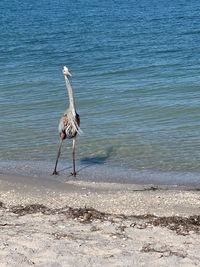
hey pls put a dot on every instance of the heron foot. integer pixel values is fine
(73, 174)
(55, 172)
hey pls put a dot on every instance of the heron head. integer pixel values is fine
(66, 71)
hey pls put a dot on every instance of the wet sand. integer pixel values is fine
(45, 222)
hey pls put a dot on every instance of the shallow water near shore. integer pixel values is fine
(96, 173)
(135, 70)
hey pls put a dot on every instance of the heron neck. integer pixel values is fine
(71, 96)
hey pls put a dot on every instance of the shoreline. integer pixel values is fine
(127, 199)
(101, 173)
(45, 222)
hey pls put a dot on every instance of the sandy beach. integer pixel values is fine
(48, 223)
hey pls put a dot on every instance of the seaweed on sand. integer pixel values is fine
(181, 225)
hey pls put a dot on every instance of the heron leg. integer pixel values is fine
(73, 157)
(58, 155)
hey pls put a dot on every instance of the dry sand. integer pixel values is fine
(50, 223)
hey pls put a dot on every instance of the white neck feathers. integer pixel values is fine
(72, 106)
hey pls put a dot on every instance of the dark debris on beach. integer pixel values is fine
(81, 214)
(181, 225)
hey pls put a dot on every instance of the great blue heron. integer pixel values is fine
(69, 123)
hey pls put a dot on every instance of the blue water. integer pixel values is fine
(135, 67)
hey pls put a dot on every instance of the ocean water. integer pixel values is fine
(135, 67)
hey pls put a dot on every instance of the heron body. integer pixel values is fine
(68, 126)
(69, 123)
